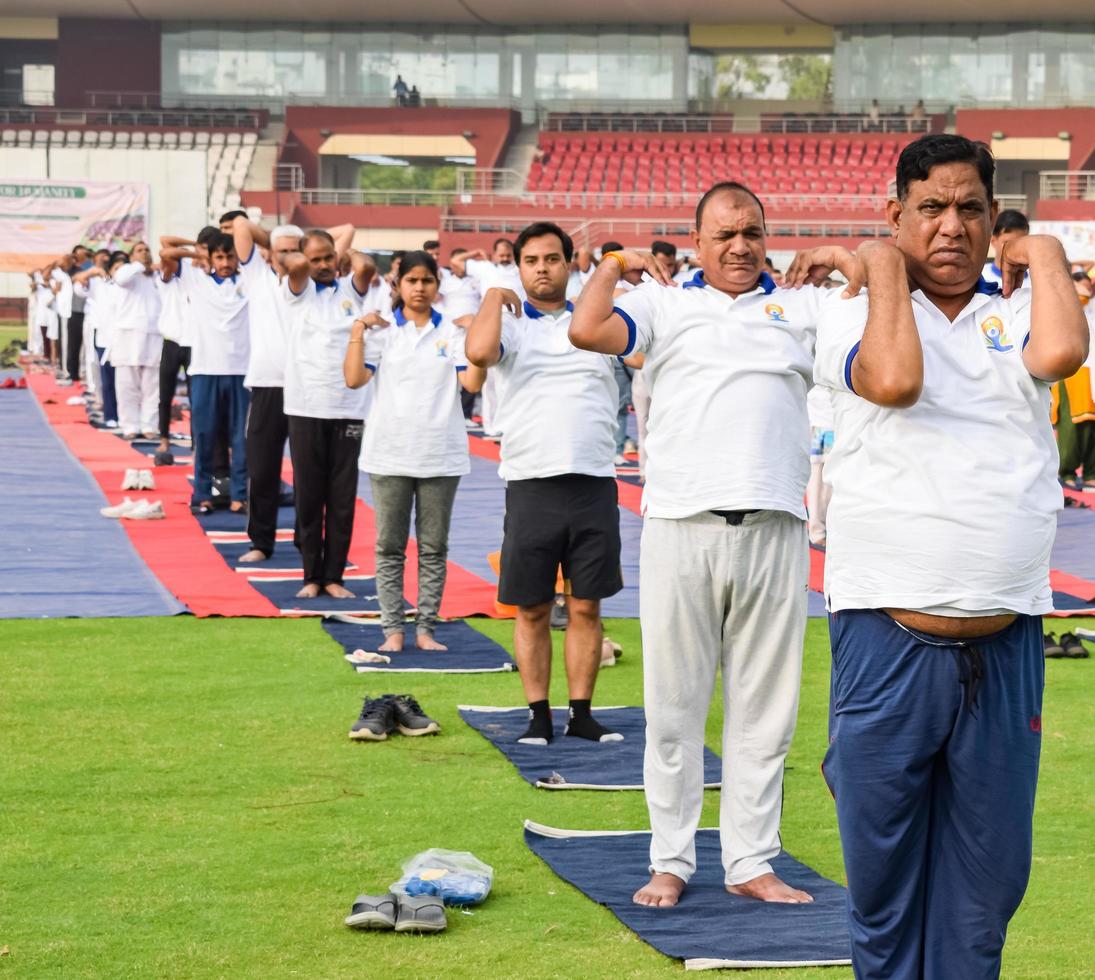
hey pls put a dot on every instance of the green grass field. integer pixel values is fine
(179, 799)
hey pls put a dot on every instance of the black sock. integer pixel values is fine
(583, 725)
(540, 730)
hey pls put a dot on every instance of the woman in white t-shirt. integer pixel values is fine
(416, 445)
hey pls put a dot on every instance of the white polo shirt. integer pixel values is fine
(174, 311)
(317, 324)
(557, 404)
(491, 276)
(416, 426)
(728, 378)
(947, 507)
(63, 302)
(267, 345)
(220, 341)
(459, 295)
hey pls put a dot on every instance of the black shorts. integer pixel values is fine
(570, 520)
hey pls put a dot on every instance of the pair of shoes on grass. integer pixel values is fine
(391, 713)
(1068, 647)
(135, 510)
(401, 913)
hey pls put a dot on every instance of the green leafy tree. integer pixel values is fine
(739, 76)
(808, 77)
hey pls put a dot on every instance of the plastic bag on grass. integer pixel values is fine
(456, 877)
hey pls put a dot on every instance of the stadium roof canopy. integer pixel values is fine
(512, 13)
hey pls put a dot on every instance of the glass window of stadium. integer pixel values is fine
(976, 64)
(347, 64)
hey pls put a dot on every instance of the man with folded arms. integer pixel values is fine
(724, 559)
(937, 570)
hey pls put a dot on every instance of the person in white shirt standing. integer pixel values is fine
(942, 518)
(724, 561)
(61, 282)
(267, 424)
(219, 349)
(45, 315)
(92, 284)
(416, 446)
(558, 415)
(497, 272)
(325, 415)
(135, 344)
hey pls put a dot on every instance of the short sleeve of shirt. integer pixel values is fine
(512, 329)
(456, 350)
(639, 310)
(375, 343)
(285, 291)
(840, 327)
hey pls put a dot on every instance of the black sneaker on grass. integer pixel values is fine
(376, 723)
(410, 719)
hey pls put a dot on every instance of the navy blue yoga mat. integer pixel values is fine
(286, 558)
(470, 652)
(282, 593)
(225, 520)
(575, 763)
(709, 929)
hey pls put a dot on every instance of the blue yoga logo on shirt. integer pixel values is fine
(347, 307)
(992, 329)
(775, 313)
(442, 348)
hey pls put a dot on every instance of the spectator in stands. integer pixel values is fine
(1009, 226)
(919, 113)
(414, 99)
(325, 416)
(220, 347)
(92, 284)
(226, 222)
(416, 448)
(267, 423)
(1076, 406)
(176, 328)
(135, 344)
(874, 115)
(496, 272)
(937, 568)
(400, 89)
(561, 506)
(729, 359)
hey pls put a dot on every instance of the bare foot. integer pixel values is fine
(253, 555)
(336, 591)
(662, 891)
(426, 642)
(769, 888)
(310, 591)
(237, 506)
(392, 644)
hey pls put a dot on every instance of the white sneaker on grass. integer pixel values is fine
(145, 511)
(118, 510)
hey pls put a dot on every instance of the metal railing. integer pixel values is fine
(288, 177)
(496, 180)
(1067, 185)
(586, 231)
(143, 118)
(775, 122)
(355, 197)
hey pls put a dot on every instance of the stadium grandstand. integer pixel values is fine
(613, 131)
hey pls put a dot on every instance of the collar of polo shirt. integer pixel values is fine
(219, 279)
(320, 286)
(534, 314)
(986, 287)
(765, 282)
(400, 319)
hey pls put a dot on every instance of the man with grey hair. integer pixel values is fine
(267, 424)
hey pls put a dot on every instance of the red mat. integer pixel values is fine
(182, 555)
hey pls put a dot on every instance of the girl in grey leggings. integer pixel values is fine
(416, 445)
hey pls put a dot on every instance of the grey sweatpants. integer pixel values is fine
(432, 498)
(713, 595)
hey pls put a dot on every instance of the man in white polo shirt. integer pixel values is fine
(724, 561)
(219, 350)
(937, 573)
(325, 416)
(558, 411)
(135, 345)
(267, 423)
